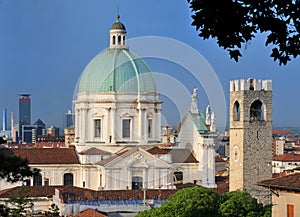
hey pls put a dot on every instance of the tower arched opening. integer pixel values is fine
(236, 111)
(256, 111)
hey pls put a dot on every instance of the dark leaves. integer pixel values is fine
(234, 23)
(235, 54)
(14, 169)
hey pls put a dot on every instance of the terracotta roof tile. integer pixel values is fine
(33, 191)
(289, 157)
(44, 155)
(290, 182)
(157, 150)
(90, 212)
(95, 151)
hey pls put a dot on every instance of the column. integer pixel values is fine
(157, 124)
(204, 165)
(211, 166)
(106, 126)
(140, 121)
(145, 126)
(77, 127)
(112, 125)
(83, 125)
(145, 178)
(129, 178)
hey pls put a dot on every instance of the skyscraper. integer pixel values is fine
(24, 112)
(4, 120)
(68, 120)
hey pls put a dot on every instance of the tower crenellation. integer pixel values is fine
(250, 84)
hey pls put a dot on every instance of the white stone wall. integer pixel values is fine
(111, 109)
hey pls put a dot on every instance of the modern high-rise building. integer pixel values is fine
(4, 120)
(24, 112)
(68, 120)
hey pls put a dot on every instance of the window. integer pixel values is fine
(119, 39)
(68, 179)
(126, 128)
(100, 184)
(178, 177)
(137, 182)
(114, 40)
(149, 128)
(236, 111)
(290, 210)
(37, 180)
(46, 182)
(98, 128)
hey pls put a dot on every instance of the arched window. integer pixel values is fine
(123, 39)
(137, 182)
(37, 180)
(256, 111)
(178, 177)
(114, 40)
(68, 179)
(119, 39)
(236, 111)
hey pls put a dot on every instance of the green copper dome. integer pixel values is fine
(117, 70)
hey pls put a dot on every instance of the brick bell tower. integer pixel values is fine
(250, 136)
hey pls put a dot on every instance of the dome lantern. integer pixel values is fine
(118, 34)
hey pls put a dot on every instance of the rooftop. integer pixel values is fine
(37, 155)
(290, 182)
(289, 157)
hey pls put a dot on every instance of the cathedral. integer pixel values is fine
(118, 140)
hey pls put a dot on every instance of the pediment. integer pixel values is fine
(137, 158)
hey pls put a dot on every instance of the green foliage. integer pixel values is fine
(13, 168)
(235, 22)
(188, 202)
(194, 202)
(240, 204)
(4, 211)
(20, 204)
(53, 211)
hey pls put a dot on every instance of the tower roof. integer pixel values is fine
(118, 25)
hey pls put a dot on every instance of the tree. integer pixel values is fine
(21, 204)
(53, 211)
(4, 211)
(200, 202)
(14, 168)
(188, 202)
(241, 204)
(235, 22)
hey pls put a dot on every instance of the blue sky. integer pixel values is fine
(46, 44)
